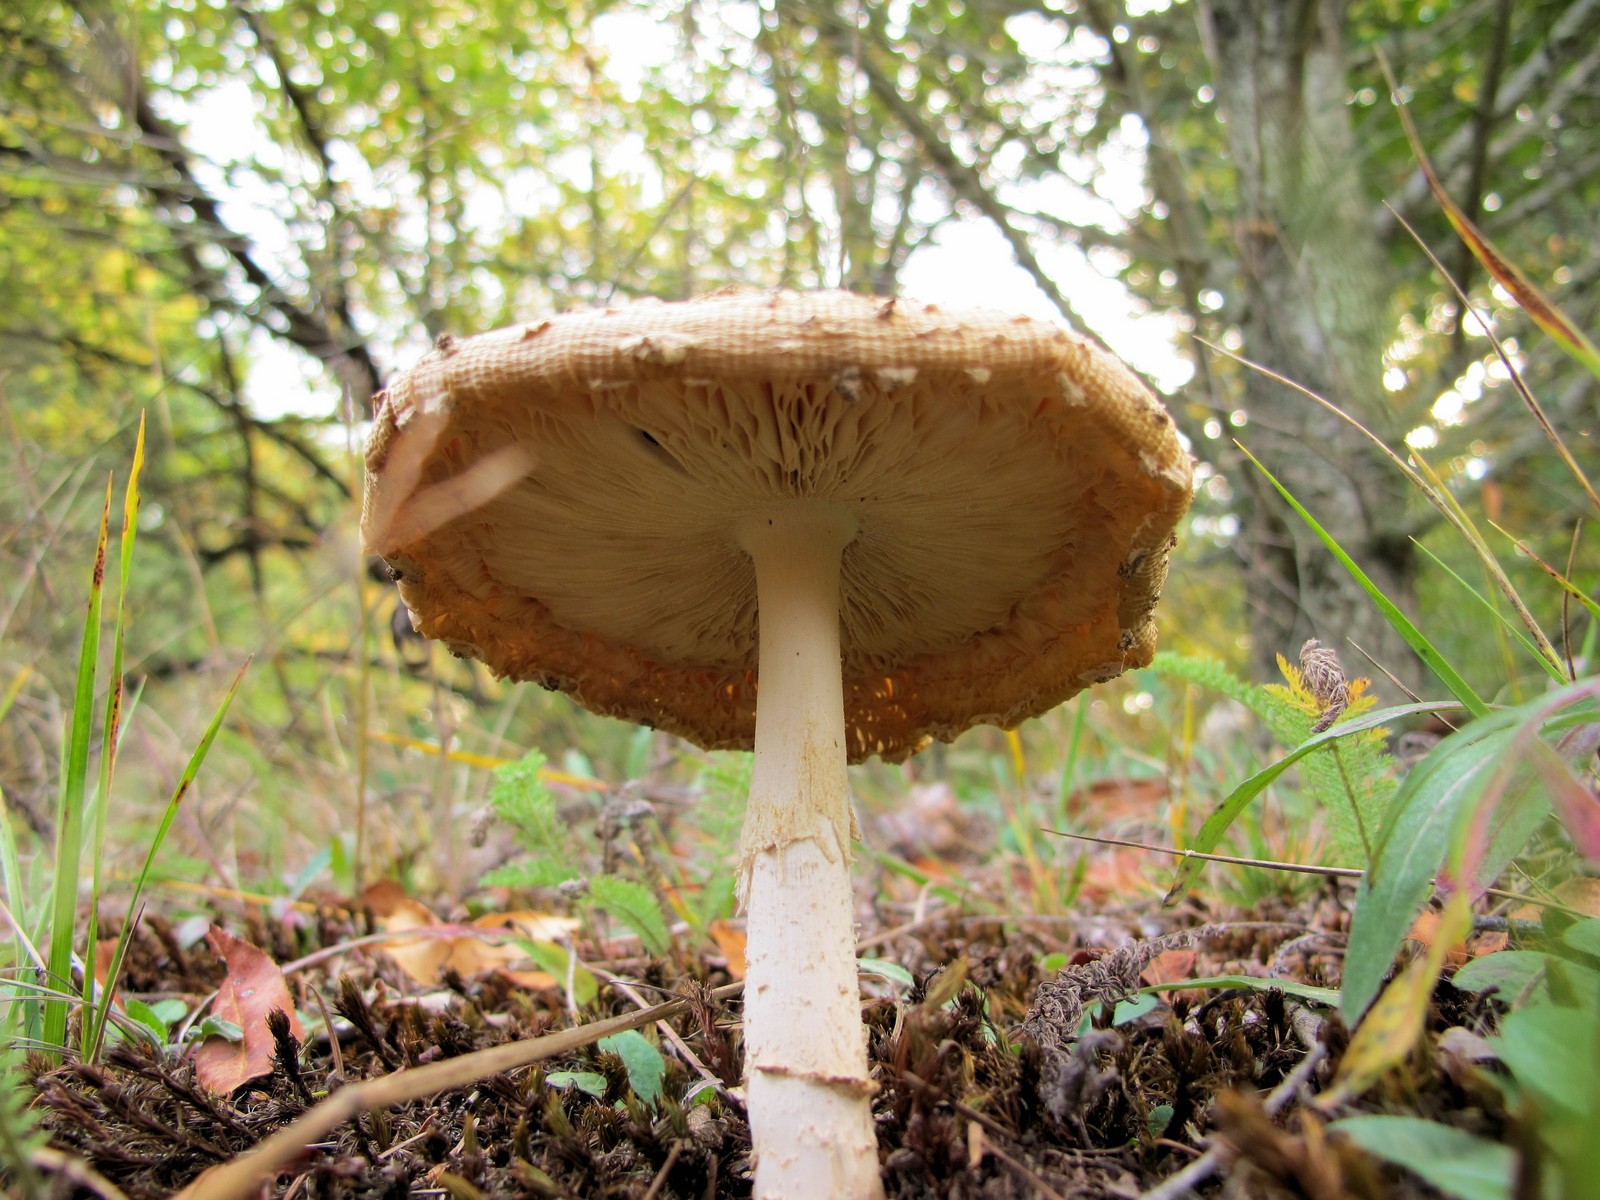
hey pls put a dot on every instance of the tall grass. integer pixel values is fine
(39, 1012)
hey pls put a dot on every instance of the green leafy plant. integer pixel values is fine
(1453, 826)
(74, 798)
(553, 856)
(1351, 779)
(20, 1135)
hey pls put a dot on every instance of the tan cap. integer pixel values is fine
(559, 500)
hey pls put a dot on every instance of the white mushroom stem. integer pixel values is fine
(807, 1085)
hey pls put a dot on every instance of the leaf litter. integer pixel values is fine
(997, 1078)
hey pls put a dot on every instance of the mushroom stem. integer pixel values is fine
(807, 1085)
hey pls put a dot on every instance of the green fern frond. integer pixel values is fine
(1352, 780)
(522, 799)
(721, 786)
(543, 871)
(20, 1134)
(635, 906)
(1211, 674)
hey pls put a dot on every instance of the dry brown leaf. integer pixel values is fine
(1114, 800)
(1490, 941)
(470, 953)
(1170, 966)
(1123, 874)
(730, 940)
(104, 951)
(466, 949)
(529, 981)
(422, 958)
(253, 987)
(1581, 892)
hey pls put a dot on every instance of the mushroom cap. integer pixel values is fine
(560, 500)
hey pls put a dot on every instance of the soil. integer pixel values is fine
(977, 1098)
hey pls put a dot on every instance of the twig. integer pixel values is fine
(242, 1177)
(1268, 864)
(667, 1031)
(53, 1162)
(1265, 863)
(1218, 1155)
(661, 1175)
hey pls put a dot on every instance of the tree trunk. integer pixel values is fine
(1312, 304)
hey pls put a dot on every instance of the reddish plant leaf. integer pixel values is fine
(253, 988)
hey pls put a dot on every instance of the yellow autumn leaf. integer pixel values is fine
(1394, 1023)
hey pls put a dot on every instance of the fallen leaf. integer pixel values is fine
(1581, 892)
(104, 951)
(1115, 800)
(252, 988)
(466, 949)
(1426, 928)
(529, 981)
(422, 958)
(730, 940)
(470, 953)
(1170, 966)
(1121, 874)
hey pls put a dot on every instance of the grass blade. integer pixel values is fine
(1463, 523)
(1216, 825)
(1414, 637)
(69, 808)
(1562, 581)
(13, 690)
(1545, 314)
(110, 734)
(1555, 672)
(94, 1037)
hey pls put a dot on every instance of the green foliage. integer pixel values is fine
(635, 905)
(1213, 675)
(524, 801)
(1354, 780)
(1458, 1163)
(721, 786)
(553, 854)
(20, 1134)
(1351, 779)
(645, 1066)
(1550, 1041)
(1471, 804)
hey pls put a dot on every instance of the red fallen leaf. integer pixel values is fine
(253, 988)
(104, 951)
(1170, 966)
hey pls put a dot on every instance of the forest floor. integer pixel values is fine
(1217, 1087)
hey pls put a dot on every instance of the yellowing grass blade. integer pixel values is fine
(110, 734)
(1394, 1024)
(1506, 273)
(74, 787)
(487, 762)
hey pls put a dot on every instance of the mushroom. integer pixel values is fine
(913, 520)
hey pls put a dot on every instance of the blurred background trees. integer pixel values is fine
(241, 215)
